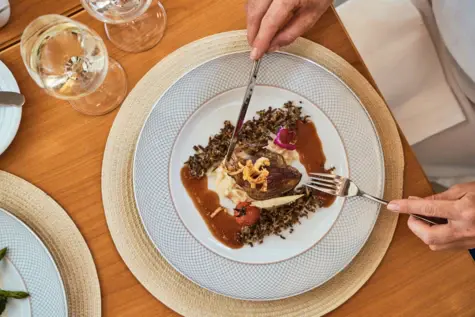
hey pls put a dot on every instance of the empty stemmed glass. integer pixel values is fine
(70, 62)
(132, 25)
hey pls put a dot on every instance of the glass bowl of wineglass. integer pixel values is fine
(132, 25)
(70, 61)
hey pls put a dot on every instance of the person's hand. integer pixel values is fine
(456, 204)
(272, 24)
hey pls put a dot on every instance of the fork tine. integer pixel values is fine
(324, 184)
(326, 181)
(322, 189)
(324, 175)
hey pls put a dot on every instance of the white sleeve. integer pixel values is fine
(399, 52)
(456, 22)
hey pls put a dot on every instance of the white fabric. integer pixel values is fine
(399, 52)
(456, 22)
(452, 152)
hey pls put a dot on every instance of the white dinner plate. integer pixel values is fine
(29, 267)
(10, 117)
(193, 109)
(208, 120)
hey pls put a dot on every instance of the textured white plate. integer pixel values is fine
(29, 267)
(10, 117)
(208, 120)
(155, 182)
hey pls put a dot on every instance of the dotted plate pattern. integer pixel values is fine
(36, 267)
(267, 281)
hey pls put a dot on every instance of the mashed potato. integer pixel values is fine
(288, 155)
(226, 187)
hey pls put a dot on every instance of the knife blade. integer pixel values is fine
(10, 98)
(244, 107)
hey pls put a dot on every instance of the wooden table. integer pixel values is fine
(60, 151)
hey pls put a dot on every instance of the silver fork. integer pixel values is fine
(341, 186)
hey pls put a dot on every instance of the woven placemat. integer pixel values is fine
(62, 238)
(143, 259)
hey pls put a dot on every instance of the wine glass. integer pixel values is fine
(132, 25)
(70, 62)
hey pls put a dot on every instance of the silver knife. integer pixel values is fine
(10, 98)
(242, 112)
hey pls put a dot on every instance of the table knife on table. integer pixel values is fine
(10, 98)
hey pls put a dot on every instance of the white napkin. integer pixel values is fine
(400, 55)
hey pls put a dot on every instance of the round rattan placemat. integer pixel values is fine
(62, 238)
(144, 260)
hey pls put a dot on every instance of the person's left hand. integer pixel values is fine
(456, 204)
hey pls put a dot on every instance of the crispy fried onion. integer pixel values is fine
(255, 174)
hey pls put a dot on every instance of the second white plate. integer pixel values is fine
(29, 267)
(10, 117)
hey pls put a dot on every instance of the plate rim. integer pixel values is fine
(382, 166)
(48, 253)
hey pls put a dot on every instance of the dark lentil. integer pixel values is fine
(254, 135)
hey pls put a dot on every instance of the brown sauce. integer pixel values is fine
(223, 226)
(311, 154)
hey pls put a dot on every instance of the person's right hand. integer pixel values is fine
(272, 24)
(457, 205)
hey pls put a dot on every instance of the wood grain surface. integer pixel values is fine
(25, 11)
(60, 151)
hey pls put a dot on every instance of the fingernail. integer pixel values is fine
(393, 207)
(273, 48)
(254, 53)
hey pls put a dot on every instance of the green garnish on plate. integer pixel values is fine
(5, 295)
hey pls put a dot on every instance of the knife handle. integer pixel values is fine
(432, 220)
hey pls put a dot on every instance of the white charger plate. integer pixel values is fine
(28, 266)
(10, 117)
(205, 95)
